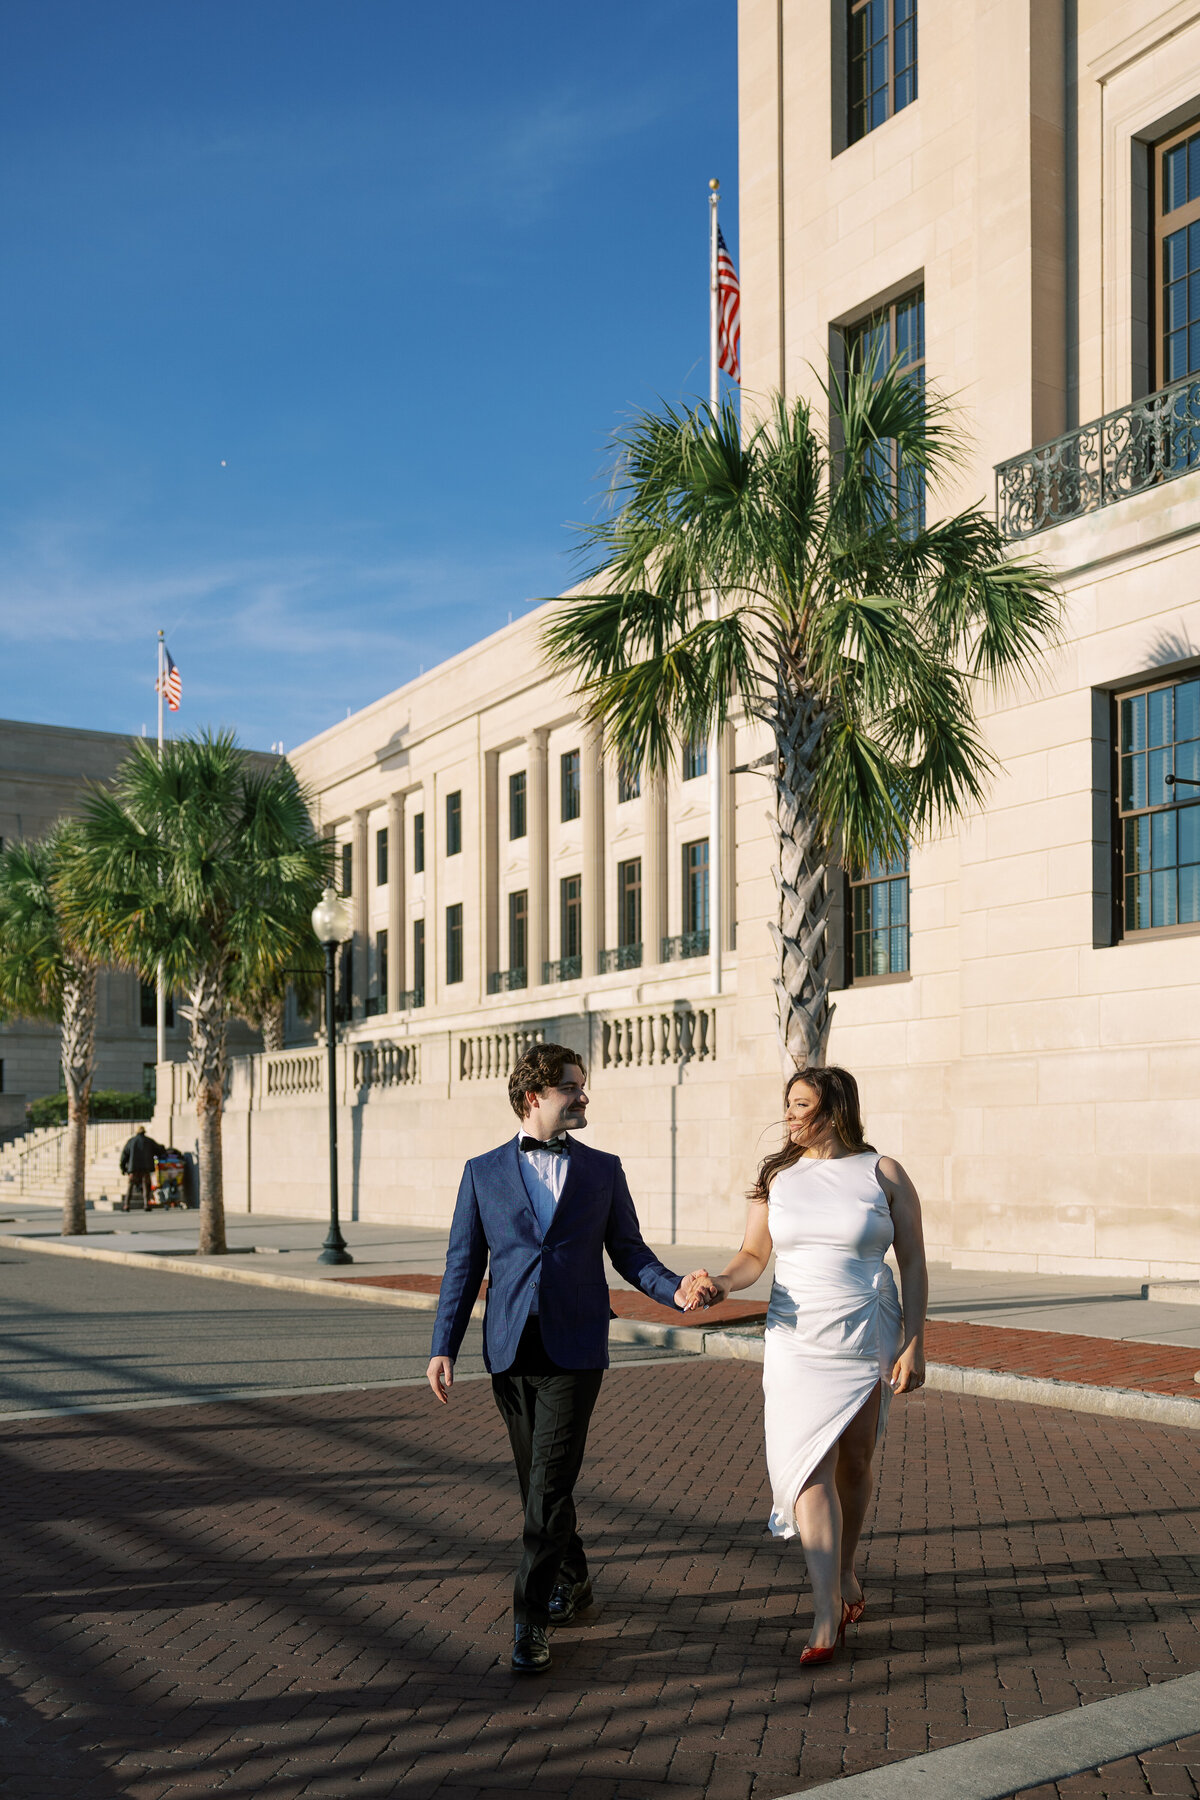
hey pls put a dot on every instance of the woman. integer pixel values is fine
(838, 1344)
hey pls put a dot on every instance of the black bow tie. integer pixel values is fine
(555, 1144)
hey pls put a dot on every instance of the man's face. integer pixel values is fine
(559, 1108)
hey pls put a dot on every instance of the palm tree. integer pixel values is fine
(211, 863)
(859, 634)
(45, 975)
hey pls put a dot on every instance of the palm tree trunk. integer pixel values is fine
(78, 1042)
(206, 1016)
(272, 1027)
(801, 935)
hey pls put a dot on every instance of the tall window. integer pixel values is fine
(347, 869)
(454, 944)
(695, 758)
(381, 966)
(1158, 737)
(569, 778)
(518, 929)
(381, 873)
(629, 782)
(148, 1001)
(418, 962)
(896, 330)
(516, 805)
(629, 902)
(1177, 254)
(419, 844)
(881, 61)
(695, 886)
(879, 911)
(570, 890)
(454, 823)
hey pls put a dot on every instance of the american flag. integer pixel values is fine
(729, 309)
(170, 686)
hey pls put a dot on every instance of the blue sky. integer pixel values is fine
(315, 320)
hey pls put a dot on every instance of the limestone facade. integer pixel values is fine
(1031, 1051)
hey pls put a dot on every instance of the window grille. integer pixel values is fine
(1158, 744)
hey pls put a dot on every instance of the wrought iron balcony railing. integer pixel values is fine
(689, 943)
(567, 968)
(503, 981)
(411, 998)
(374, 1005)
(1125, 452)
(624, 956)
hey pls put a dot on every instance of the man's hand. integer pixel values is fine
(440, 1374)
(697, 1289)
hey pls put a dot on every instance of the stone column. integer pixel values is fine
(489, 863)
(397, 914)
(361, 940)
(591, 819)
(654, 868)
(538, 826)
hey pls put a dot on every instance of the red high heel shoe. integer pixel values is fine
(855, 1610)
(824, 1654)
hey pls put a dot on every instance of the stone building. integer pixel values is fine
(1006, 192)
(44, 770)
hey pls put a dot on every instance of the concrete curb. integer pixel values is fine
(1003, 1763)
(740, 1345)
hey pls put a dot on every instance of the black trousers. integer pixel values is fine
(547, 1411)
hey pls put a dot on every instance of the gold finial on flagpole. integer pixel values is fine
(715, 185)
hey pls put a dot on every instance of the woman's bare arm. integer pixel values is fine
(909, 1370)
(743, 1269)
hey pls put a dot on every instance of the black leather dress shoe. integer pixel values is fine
(531, 1652)
(569, 1598)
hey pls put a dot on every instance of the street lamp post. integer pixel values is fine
(333, 923)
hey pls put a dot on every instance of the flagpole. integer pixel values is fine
(715, 857)
(160, 1044)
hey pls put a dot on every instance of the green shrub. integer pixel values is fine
(106, 1103)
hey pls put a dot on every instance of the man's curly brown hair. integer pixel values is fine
(539, 1068)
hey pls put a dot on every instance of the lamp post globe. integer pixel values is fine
(333, 923)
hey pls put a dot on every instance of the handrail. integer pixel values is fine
(1153, 440)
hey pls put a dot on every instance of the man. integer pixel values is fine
(538, 1214)
(137, 1161)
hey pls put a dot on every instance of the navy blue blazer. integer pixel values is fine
(495, 1224)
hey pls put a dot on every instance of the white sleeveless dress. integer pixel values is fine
(834, 1324)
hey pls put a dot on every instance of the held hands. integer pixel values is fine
(908, 1371)
(440, 1375)
(700, 1289)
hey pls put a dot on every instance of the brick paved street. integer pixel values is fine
(308, 1596)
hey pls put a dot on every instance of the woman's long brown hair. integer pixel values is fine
(837, 1101)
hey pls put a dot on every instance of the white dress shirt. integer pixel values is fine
(544, 1173)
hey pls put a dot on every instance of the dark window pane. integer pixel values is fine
(454, 944)
(1175, 256)
(347, 869)
(419, 844)
(629, 783)
(1162, 898)
(418, 974)
(1193, 166)
(381, 857)
(695, 759)
(381, 963)
(516, 805)
(1162, 840)
(454, 823)
(1189, 895)
(571, 919)
(1137, 902)
(1133, 723)
(569, 778)
(1175, 178)
(1189, 834)
(1187, 710)
(518, 926)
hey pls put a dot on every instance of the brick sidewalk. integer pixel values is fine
(1006, 1349)
(309, 1596)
